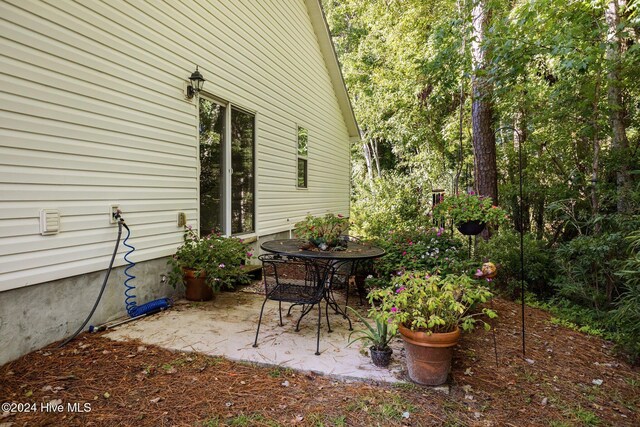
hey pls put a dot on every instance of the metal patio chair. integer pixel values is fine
(295, 281)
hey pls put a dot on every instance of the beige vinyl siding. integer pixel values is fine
(93, 113)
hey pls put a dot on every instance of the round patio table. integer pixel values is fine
(328, 262)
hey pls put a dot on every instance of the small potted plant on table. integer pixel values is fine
(322, 233)
(429, 312)
(469, 212)
(207, 264)
(377, 336)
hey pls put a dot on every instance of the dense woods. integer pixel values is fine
(448, 92)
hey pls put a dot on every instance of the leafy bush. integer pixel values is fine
(214, 256)
(422, 302)
(586, 269)
(391, 202)
(598, 288)
(419, 249)
(626, 316)
(322, 231)
(503, 249)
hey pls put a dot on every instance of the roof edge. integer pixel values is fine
(321, 28)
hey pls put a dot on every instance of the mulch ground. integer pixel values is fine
(566, 379)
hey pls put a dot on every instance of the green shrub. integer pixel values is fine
(503, 249)
(586, 269)
(391, 202)
(217, 257)
(418, 249)
(626, 316)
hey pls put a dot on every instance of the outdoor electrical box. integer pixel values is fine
(182, 219)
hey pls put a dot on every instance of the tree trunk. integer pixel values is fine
(484, 141)
(620, 143)
(367, 158)
(376, 155)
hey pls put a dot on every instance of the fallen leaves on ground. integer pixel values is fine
(565, 378)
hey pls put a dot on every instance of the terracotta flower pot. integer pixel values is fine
(471, 228)
(429, 356)
(196, 288)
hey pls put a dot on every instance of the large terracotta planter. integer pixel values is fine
(196, 287)
(429, 356)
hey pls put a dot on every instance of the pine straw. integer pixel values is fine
(135, 384)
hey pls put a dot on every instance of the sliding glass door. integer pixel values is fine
(227, 164)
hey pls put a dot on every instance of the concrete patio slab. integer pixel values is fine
(227, 326)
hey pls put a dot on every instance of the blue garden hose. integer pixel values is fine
(133, 309)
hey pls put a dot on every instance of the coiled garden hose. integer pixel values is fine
(133, 309)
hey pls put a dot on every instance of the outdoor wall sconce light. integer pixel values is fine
(197, 81)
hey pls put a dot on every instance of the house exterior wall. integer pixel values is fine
(94, 114)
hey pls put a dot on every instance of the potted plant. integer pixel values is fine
(322, 232)
(377, 336)
(207, 264)
(429, 312)
(469, 212)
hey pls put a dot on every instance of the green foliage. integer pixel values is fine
(586, 269)
(417, 249)
(465, 207)
(390, 202)
(322, 231)
(217, 257)
(420, 301)
(626, 315)
(377, 334)
(503, 249)
(552, 68)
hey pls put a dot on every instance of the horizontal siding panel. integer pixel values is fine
(30, 209)
(275, 67)
(48, 86)
(301, 203)
(36, 159)
(17, 192)
(84, 149)
(45, 26)
(26, 244)
(49, 176)
(31, 225)
(38, 127)
(89, 250)
(33, 107)
(91, 76)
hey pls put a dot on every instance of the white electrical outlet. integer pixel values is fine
(113, 209)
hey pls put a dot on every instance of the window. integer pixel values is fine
(303, 142)
(227, 164)
(242, 166)
(212, 136)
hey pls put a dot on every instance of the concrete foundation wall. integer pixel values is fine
(35, 316)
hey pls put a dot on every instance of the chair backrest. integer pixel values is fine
(281, 272)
